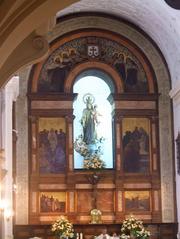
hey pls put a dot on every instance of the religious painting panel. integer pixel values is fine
(52, 145)
(137, 200)
(55, 70)
(52, 202)
(136, 145)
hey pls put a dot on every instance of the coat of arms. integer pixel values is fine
(93, 51)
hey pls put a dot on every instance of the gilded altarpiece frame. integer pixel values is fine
(130, 111)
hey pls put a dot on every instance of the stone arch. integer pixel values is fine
(154, 56)
(163, 82)
(93, 65)
(106, 34)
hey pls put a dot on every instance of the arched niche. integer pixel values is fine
(67, 48)
(99, 86)
(100, 74)
(95, 68)
(149, 105)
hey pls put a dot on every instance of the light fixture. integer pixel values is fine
(14, 188)
(5, 209)
(8, 213)
(3, 204)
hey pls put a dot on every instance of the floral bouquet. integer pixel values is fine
(94, 162)
(81, 147)
(92, 157)
(133, 228)
(63, 228)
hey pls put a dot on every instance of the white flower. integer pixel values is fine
(133, 226)
(62, 227)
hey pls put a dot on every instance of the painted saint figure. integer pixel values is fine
(89, 120)
(136, 150)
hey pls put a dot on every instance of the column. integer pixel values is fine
(22, 173)
(175, 95)
(11, 92)
(2, 170)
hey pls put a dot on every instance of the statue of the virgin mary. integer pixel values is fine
(89, 120)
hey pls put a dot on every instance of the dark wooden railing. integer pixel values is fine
(158, 230)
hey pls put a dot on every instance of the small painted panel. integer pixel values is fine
(136, 153)
(137, 200)
(52, 202)
(52, 145)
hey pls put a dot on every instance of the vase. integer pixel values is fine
(96, 216)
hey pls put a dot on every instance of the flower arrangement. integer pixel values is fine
(92, 157)
(94, 162)
(81, 147)
(63, 228)
(133, 228)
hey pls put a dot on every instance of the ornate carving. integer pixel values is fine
(39, 42)
(93, 179)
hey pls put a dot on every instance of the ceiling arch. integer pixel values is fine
(173, 3)
(21, 21)
(156, 18)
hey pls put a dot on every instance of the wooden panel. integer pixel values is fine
(69, 180)
(52, 186)
(84, 201)
(158, 231)
(105, 201)
(51, 105)
(150, 105)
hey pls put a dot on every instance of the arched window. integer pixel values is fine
(93, 88)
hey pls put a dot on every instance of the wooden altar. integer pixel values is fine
(158, 230)
(133, 184)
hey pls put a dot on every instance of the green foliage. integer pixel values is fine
(133, 228)
(63, 228)
(92, 159)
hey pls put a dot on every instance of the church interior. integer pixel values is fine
(89, 118)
